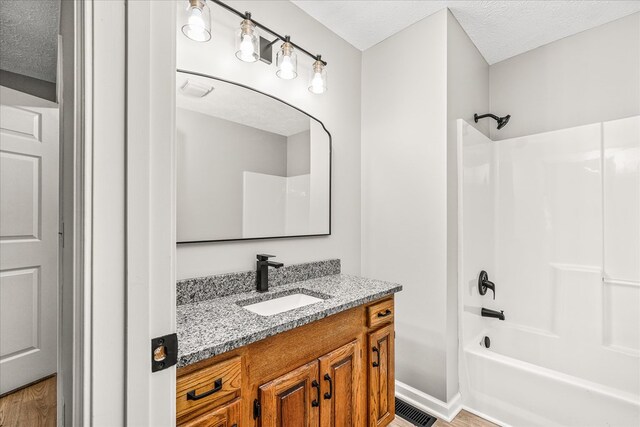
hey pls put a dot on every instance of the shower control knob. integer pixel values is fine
(484, 283)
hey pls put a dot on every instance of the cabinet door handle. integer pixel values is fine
(327, 377)
(384, 313)
(316, 402)
(375, 350)
(217, 386)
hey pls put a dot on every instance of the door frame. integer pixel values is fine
(151, 207)
(75, 191)
(120, 214)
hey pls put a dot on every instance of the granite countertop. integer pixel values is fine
(215, 326)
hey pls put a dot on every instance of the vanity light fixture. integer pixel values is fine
(318, 78)
(250, 46)
(197, 21)
(248, 41)
(287, 61)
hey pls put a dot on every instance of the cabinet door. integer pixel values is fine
(292, 399)
(381, 377)
(227, 416)
(340, 373)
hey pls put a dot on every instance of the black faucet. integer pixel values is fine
(492, 313)
(484, 283)
(262, 271)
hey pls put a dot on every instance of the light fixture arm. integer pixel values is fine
(247, 15)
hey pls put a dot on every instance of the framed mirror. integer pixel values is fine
(249, 165)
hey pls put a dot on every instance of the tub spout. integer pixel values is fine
(492, 313)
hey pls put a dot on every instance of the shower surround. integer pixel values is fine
(554, 218)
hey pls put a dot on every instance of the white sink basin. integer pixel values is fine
(282, 304)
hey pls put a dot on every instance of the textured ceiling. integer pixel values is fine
(236, 104)
(500, 29)
(29, 37)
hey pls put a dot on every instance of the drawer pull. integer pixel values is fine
(385, 313)
(217, 386)
(316, 402)
(375, 350)
(327, 377)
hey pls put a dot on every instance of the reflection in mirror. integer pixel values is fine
(249, 166)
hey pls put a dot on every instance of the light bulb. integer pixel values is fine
(317, 85)
(246, 48)
(247, 41)
(286, 68)
(287, 61)
(318, 77)
(197, 21)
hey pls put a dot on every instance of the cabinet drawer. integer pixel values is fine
(380, 313)
(207, 388)
(227, 416)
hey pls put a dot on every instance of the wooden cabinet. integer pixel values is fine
(322, 393)
(318, 375)
(292, 399)
(340, 372)
(381, 376)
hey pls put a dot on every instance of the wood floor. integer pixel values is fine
(464, 419)
(33, 406)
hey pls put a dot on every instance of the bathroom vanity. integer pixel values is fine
(327, 363)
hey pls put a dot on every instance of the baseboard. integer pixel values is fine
(446, 411)
(485, 416)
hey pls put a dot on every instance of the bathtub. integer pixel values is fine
(526, 379)
(553, 219)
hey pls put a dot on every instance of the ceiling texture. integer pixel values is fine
(500, 29)
(244, 106)
(29, 37)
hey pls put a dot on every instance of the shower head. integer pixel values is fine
(502, 121)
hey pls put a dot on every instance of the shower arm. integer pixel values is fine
(477, 117)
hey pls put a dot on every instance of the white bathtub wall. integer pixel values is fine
(549, 213)
(478, 223)
(476, 179)
(621, 329)
(264, 204)
(571, 328)
(298, 205)
(276, 205)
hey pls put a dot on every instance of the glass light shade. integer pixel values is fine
(318, 78)
(287, 62)
(248, 42)
(197, 21)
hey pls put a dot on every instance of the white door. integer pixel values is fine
(28, 238)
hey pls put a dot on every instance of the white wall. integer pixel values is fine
(467, 93)
(299, 153)
(410, 223)
(404, 193)
(339, 109)
(212, 156)
(590, 77)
